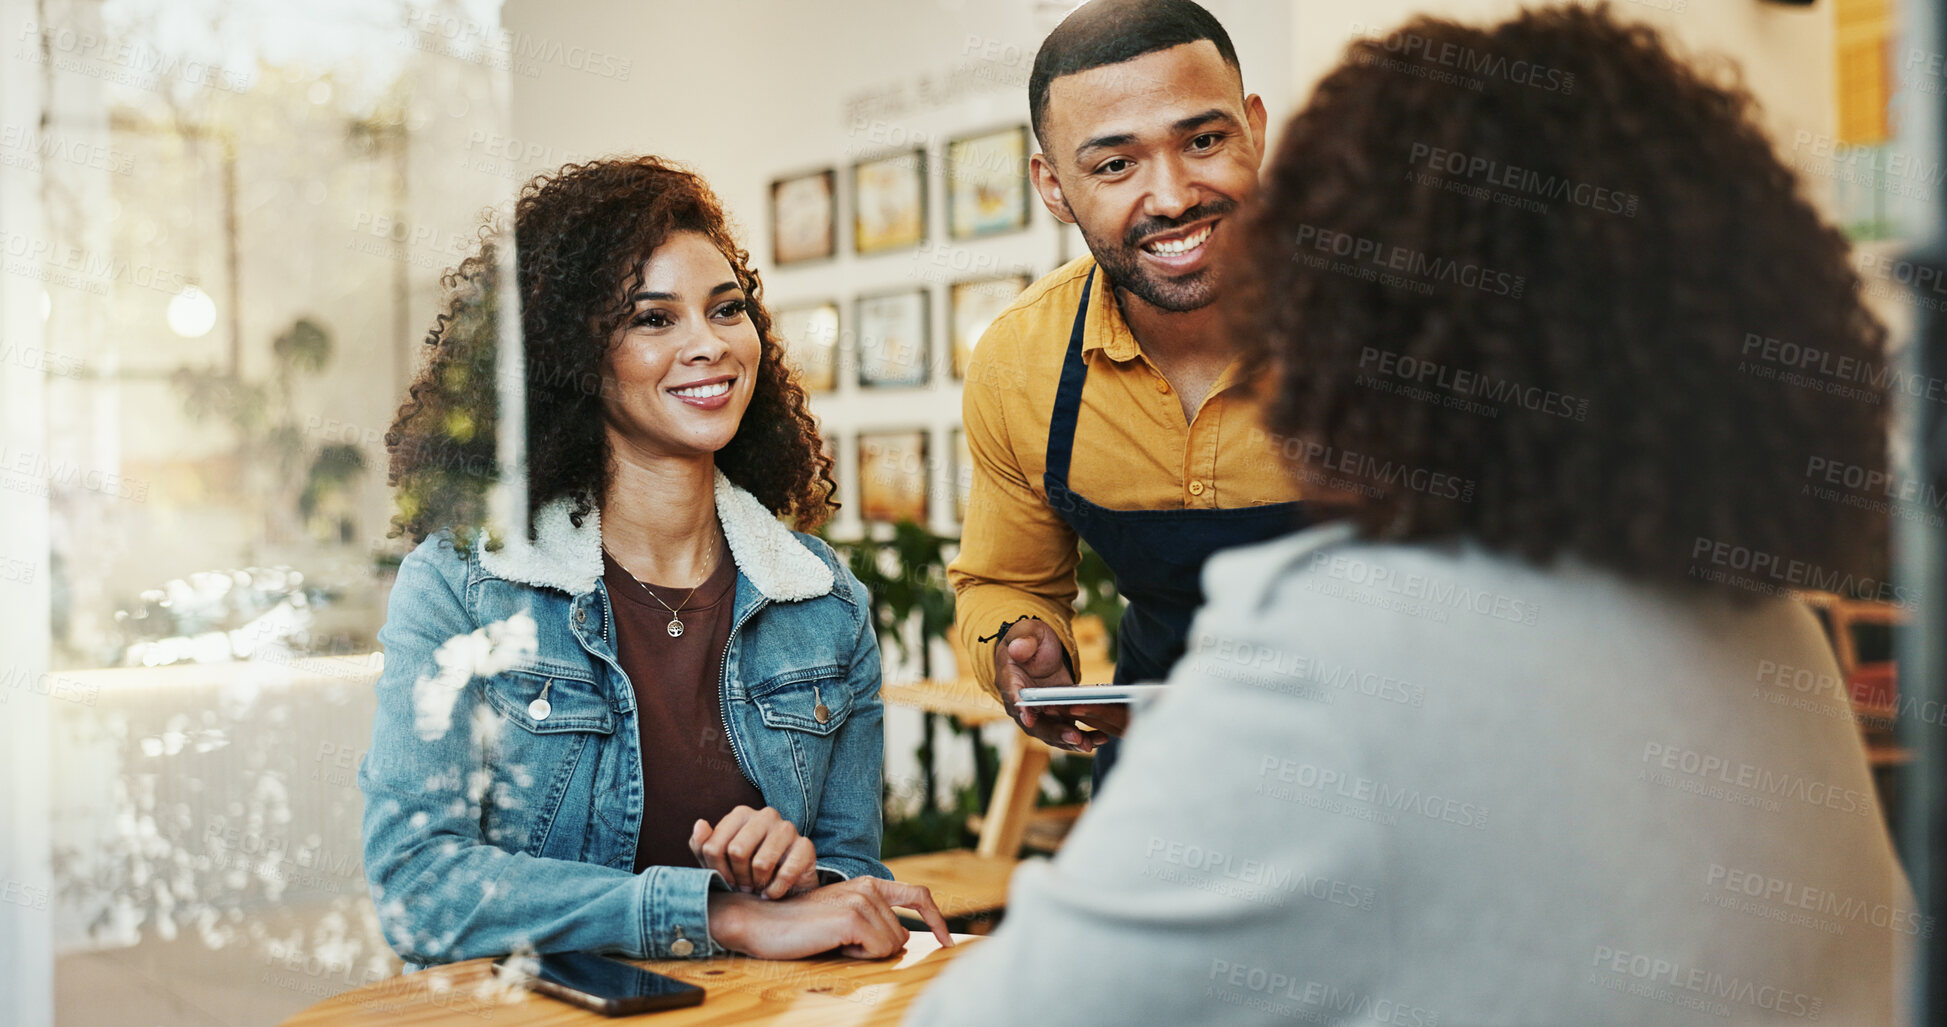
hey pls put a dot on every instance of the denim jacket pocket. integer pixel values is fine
(546, 761)
(546, 699)
(794, 699)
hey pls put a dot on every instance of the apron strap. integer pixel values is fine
(1068, 396)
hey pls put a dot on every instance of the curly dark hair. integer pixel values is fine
(581, 236)
(1542, 285)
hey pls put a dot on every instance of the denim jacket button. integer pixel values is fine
(581, 615)
(681, 947)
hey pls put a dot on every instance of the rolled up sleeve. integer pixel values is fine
(1017, 554)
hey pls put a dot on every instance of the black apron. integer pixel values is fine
(1157, 555)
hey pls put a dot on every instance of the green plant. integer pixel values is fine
(1098, 595)
(906, 578)
(314, 486)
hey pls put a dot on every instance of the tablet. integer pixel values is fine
(1088, 695)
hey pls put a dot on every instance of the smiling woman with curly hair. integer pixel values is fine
(1502, 745)
(582, 233)
(626, 731)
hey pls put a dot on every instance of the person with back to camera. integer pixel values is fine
(655, 730)
(1521, 737)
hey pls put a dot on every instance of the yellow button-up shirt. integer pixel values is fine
(1133, 451)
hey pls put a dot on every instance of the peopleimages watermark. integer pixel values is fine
(463, 38)
(1694, 987)
(1930, 63)
(1213, 870)
(1519, 182)
(33, 473)
(34, 358)
(1769, 573)
(1803, 905)
(1922, 284)
(1470, 384)
(1876, 166)
(1291, 673)
(1436, 592)
(27, 146)
(1800, 688)
(1349, 471)
(1873, 489)
(81, 269)
(16, 572)
(1265, 991)
(20, 893)
(1818, 369)
(512, 157)
(1461, 60)
(49, 684)
(1283, 778)
(127, 62)
(1704, 773)
(1398, 266)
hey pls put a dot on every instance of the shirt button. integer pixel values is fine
(1196, 488)
(1162, 385)
(681, 948)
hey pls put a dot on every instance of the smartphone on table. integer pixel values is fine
(607, 986)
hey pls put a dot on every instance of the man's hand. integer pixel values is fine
(1031, 656)
(855, 917)
(756, 851)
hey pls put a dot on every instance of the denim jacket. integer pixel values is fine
(494, 822)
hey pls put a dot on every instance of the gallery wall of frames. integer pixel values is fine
(881, 337)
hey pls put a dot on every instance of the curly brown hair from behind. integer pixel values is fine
(1543, 309)
(581, 236)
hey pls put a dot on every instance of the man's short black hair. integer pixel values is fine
(1104, 32)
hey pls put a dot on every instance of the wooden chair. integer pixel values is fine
(970, 885)
(1873, 686)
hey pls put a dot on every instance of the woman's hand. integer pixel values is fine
(757, 851)
(855, 917)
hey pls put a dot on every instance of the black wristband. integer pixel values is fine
(1008, 625)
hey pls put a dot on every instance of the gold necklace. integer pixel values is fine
(675, 625)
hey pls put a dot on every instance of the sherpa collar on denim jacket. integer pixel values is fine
(569, 558)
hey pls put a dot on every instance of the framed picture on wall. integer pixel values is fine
(894, 348)
(893, 476)
(974, 305)
(987, 183)
(889, 202)
(804, 217)
(810, 334)
(962, 475)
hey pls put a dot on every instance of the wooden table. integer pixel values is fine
(742, 990)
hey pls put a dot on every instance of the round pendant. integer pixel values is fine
(675, 628)
(539, 709)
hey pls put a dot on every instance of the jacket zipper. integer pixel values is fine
(723, 694)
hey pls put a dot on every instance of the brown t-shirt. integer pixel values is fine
(688, 768)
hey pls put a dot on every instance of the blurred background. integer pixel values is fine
(222, 228)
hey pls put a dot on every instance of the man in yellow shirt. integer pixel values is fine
(1107, 403)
